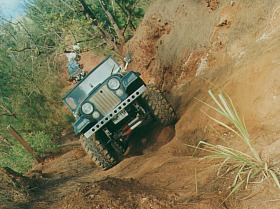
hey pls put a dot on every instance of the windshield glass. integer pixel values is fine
(73, 66)
(95, 77)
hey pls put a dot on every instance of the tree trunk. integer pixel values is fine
(88, 12)
(128, 13)
(114, 24)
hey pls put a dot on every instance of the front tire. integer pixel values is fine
(102, 153)
(159, 106)
(120, 147)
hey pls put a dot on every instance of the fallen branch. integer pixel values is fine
(24, 143)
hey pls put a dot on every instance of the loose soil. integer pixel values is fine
(185, 48)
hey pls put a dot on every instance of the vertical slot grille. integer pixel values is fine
(104, 100)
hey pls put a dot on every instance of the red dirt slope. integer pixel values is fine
(184, 47)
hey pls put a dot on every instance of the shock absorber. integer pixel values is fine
(131, 126)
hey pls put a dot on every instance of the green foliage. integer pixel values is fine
(41, 143)
(90, 22)
(30, 61)
(246, 166)
(16, 157)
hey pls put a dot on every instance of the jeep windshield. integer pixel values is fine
(95, 77)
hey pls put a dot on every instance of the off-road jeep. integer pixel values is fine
(108, 104)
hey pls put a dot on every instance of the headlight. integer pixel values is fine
(87, 108)
(114, 83)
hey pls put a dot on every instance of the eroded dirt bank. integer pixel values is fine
(184, 47)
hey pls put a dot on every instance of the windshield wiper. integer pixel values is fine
(113, 69)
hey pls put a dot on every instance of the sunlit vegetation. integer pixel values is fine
(31, 48)
(246, 167)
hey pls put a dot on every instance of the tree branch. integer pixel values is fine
(88, 12)
(8, 111)
(128, 13)
(117, 30)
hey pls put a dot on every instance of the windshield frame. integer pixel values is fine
(75, 97)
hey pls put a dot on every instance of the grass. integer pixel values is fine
(246, 166)
(16, 157)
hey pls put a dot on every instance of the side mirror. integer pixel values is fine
(128, 58)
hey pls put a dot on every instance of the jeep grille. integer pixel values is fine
(105, 100)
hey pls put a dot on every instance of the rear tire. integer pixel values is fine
(103, 154)
(159, 106)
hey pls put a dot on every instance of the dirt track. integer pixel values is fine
(183, 47)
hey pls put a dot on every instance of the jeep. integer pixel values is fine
(108, 104)
(75, 71)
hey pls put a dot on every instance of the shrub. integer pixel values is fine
(18, 159)
(41, 143)
(247, 166)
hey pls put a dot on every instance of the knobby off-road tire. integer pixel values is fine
(101, 153)
(160, 107)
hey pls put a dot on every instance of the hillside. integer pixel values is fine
(185, 48)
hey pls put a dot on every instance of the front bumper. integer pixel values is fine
(115, 111)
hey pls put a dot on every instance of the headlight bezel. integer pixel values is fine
(87, 108)
(114, 83)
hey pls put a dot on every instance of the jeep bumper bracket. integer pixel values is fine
(115, 111)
